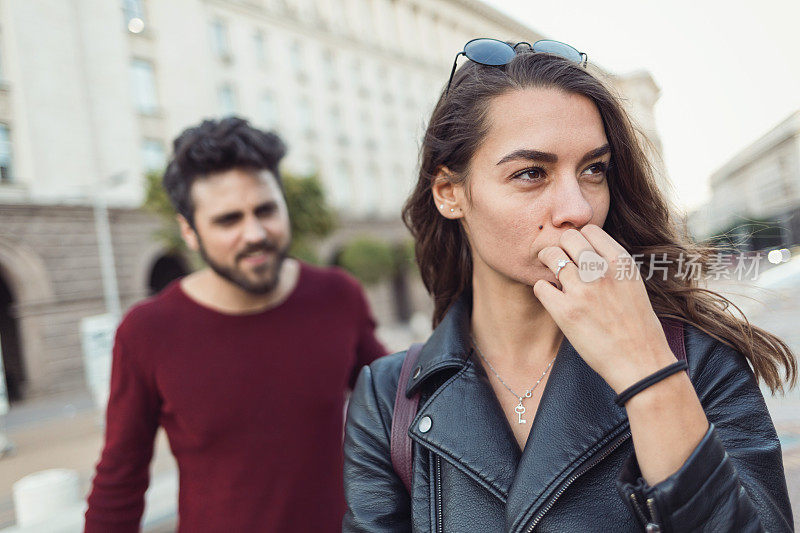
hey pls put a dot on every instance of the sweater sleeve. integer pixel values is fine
(734, 479)
(116, 500)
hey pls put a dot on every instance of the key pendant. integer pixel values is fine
(520, 410)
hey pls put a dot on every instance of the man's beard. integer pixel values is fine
(238, 278)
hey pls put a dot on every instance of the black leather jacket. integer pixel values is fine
(578, 471)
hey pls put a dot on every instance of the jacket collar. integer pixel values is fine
(448, 346)
(576, 419)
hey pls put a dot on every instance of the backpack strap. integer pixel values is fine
(673, 329)
(405, 409)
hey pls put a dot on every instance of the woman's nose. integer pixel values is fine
(569, 205)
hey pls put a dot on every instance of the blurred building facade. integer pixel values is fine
(92, 92)
(640, 92)
(757, 191)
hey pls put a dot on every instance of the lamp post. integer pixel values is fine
(105, 248)
(97, 333)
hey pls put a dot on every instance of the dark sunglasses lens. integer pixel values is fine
(489, 52)
(559, 49)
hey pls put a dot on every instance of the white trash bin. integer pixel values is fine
(44, 495)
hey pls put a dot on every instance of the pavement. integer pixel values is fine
(67, 432)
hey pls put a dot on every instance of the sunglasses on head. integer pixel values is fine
(493, 52)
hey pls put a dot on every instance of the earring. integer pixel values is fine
(452, 210)
(441, 206)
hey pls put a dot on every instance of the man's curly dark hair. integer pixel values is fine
(218, 146)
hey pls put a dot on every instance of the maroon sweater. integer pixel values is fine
(252, 406)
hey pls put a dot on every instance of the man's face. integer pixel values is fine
(241, 227)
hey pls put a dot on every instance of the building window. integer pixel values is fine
(329, 68)
(219, 40)
(144, 87)
(341, 185)
(269, 110)
(5, 155)
(296, 59)
(260, 44)
(154, 157)
(227, 100)
(370, 189)
(2, 74)
(304, 118)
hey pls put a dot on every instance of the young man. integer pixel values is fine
(244, 363)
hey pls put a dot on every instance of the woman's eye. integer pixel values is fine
(597, 168)
(530, 174)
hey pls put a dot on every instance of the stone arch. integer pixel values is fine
(148, 260)
(24, 274)
(166, 269)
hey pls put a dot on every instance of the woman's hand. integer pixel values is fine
(611, 324)
(609, 321)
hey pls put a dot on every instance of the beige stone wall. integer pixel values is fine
(49, 258)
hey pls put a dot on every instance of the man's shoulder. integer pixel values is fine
(152, 311)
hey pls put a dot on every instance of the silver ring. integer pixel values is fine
(561, 264)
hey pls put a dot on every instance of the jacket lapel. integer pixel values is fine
(468, 427)
(576, 418)
(469, 430)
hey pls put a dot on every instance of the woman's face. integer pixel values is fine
(543, 162)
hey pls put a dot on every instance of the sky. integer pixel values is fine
(729, 71)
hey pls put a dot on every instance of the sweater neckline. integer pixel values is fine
(183, 295)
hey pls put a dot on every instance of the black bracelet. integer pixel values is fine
(652, 379)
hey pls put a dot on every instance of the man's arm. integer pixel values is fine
(116, 501)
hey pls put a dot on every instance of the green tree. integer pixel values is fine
(157, 202)
(311, 216)
(404, 256)
(368, 259)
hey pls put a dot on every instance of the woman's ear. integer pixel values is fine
(447, 194)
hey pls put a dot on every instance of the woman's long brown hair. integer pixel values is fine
(639, 216)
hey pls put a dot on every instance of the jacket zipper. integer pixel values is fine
(654, 525)
(651, 524)
(439, 524)
(575, 476)
(638, 508)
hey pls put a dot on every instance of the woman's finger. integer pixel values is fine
(550, 256)
(551, 297)
(603, 243)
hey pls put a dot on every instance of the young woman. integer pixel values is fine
(533, 194)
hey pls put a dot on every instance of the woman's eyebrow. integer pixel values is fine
(546, 157)
(594, 154)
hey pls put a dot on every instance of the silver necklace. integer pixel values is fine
(519, 409)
